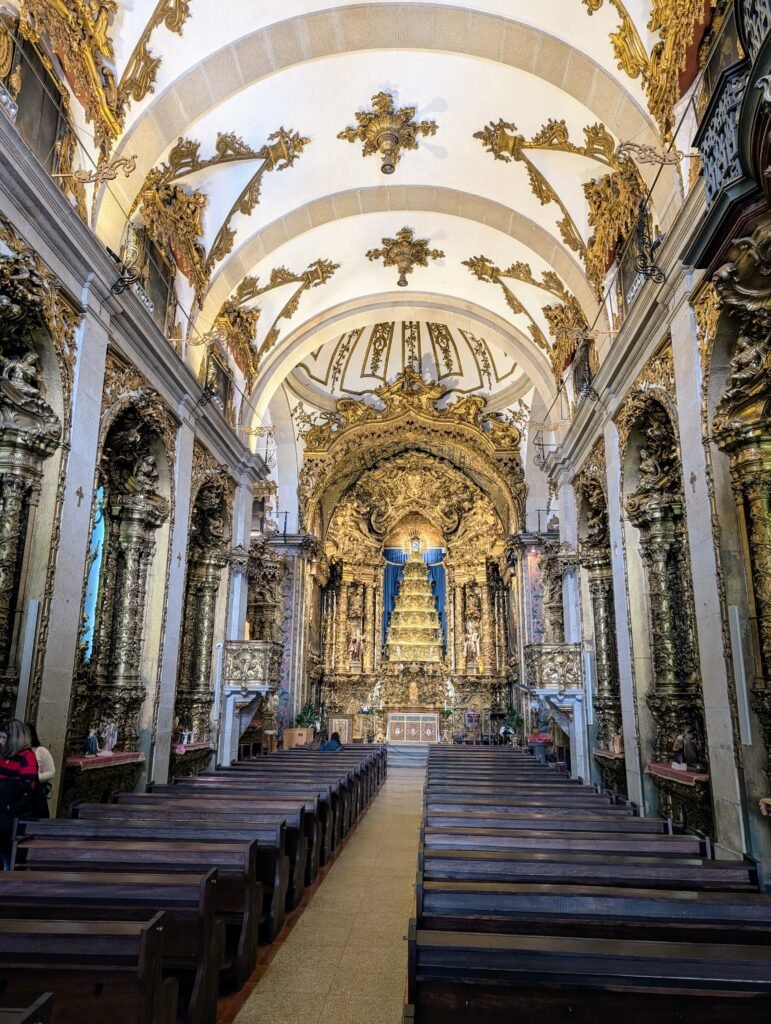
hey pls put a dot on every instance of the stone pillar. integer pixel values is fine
(607, 702)
(634, 776)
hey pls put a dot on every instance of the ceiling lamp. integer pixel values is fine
(405, 252)
(386, 131)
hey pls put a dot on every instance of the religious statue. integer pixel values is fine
(650, 470)
(91, 746)
(185, 729)
(356, 646)
(684, 751)
(109, 737)
(471, 642)
(22, 374)
(746, 364)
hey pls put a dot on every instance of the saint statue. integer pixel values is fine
(109, 737)
(356, 646)
(23, 374)
(471, 641)
(91, 746)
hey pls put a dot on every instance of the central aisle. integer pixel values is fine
(345, 961)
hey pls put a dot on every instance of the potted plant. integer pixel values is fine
(512, 724)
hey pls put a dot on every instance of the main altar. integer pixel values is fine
(413, 621)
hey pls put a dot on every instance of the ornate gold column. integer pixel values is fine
(341, 637)
(458, 627)
(14, 491)
(488, 630)
(369, 628)
(607, 700)
(741, 428)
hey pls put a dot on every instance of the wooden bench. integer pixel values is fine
(472, 838)
(317, 809)
(96, 970)
(600, 911)
(153, 822)
(237, 896)
(585, 868)
(216, 809)
(38, 1013)
(193, 944)
(570, 822)
(459, 977)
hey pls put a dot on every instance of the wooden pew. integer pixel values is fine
(193, 943)
(213, 807)
(571, 822)
(238, 895)
(459, 977)
(96, 970)
(593, 911)
(586, 868)
(38, 1013)
(317, 808)
(154, 821)
(472, 838)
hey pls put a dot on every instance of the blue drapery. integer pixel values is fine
(394, 568)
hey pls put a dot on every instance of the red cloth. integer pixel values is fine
(22, 765)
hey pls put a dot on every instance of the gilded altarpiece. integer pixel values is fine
(37, 341)
(133, 499)
(211, 504)
(403, 481)
(654, 505)
(741, 427)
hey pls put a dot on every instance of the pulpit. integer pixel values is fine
(413, 727)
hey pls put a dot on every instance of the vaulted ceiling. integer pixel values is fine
(294, 216)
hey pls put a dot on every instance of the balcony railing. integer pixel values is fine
(553, 667)
(718, 135)
(754, 21)
(253, 663)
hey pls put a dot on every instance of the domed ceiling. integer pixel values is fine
(360, 360)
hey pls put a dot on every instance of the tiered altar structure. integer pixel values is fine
(414, 634)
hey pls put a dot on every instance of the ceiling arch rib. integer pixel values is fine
(331, 323)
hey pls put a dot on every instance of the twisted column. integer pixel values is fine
(14, 491)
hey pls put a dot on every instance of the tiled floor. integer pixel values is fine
(345, 960)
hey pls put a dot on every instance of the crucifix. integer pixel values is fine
(80, 495)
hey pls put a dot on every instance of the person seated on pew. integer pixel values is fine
(333, 743)
(18, 781)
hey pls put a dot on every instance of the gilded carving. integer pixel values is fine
(405, 252)
(386, 131)
(615, 201)
(628, 47)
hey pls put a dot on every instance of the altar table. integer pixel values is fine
(413, 727)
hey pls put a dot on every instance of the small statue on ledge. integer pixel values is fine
(185, 730)
(109, 738)
(356, 646)
(91, 745)
(684, 752)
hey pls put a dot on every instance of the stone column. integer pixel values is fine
(634, 776)
(607, 701)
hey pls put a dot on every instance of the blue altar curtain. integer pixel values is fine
(394, 568)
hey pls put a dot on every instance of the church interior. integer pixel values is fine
(385, 558)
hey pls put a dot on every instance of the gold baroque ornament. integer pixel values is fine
(487, 446)
(675, 24)
(174, 216)
(656, 380)
(236, 323)
(627, 45)
(387, 131)
(615, 201)
(405, 252)
(78, 33)
(568, 327)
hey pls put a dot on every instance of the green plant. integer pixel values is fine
(308, 716)
(513, 721)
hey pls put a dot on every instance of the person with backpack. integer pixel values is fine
(19, 782)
